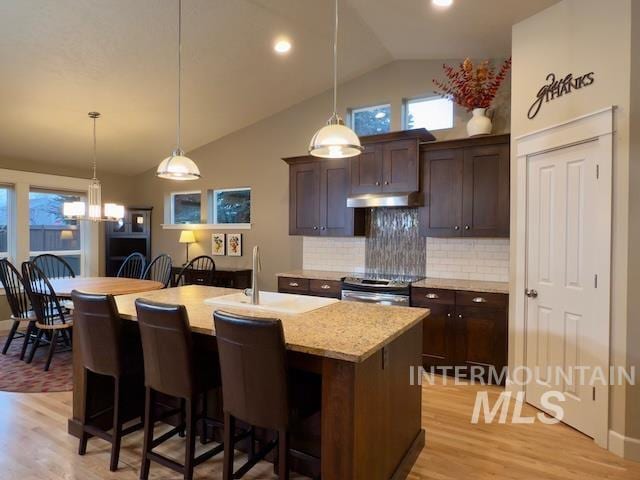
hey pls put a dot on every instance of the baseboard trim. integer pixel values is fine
(623, 446)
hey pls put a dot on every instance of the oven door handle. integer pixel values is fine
(375, 298)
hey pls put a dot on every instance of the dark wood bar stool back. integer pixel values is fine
(19, 304)
(98, 330)
(51, 316)
(254, 385)
(132, 267)
(163, 329)
(54, 266)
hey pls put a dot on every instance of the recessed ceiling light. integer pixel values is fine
(282, 46)
(442, 3)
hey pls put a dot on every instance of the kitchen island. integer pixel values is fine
(370, 421)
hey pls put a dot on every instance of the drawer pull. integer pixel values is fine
(294, 284)
(479, 300)
(325, 287)
(448, 315)
(432, 296)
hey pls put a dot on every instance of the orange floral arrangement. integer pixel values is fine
(472, 86)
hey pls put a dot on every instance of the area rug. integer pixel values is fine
(19, 376)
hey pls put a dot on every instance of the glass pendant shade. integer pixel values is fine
(95, 200)
(178, 167)
(335, 140)
(74, 209)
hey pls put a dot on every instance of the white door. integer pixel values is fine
(563, 328)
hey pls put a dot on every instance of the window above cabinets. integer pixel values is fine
(371, 120)
(432, 113)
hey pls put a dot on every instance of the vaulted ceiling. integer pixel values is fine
(64, 58)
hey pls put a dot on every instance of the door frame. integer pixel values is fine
(595, 127)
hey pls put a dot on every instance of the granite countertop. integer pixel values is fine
(350, 331)
(468, 285)
(317, 274)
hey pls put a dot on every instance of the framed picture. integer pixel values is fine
(218, 244)
(234, 244)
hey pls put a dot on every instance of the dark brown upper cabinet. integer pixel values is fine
(466, 188)
(389, 163)
(318, 191)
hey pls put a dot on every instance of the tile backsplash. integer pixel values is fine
(334, 254)
(468, 258)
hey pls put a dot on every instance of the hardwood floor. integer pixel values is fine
(34, 445)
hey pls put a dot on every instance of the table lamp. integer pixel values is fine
(187, 237)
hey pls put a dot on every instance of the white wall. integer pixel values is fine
(580, 36)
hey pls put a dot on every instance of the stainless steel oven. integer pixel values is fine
(377, 289)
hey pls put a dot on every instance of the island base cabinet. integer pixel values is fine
(371, 414)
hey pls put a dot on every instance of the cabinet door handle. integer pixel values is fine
(448, 315)
(467, 227)
(457, 227)
(432, 295)
(386, 183)
(479, 300)
(294, 284)
(323, 228)
(377, 184)
(325, 287)
(315, 228)
(460, 316)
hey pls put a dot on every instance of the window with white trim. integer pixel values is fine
(371, 120)
(230, 206)
(4, 220)
(432, 113)
(186, 207)
(50, 232)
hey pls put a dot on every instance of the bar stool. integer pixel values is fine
(255, 387)
(169, 366)
(98, 329)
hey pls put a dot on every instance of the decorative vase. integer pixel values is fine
(479, 124)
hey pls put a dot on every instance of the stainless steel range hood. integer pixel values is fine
(368, 200)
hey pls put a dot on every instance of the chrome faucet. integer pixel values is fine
(254, 291)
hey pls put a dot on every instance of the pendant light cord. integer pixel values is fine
(335, 63)
(179, 71)
(95, 148)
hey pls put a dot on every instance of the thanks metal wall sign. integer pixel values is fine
(555, 88)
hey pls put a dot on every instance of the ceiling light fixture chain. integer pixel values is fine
(335, 139)
(177, 166)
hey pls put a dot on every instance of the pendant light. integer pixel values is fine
(177, 166)
(335, 139)
(78, 210)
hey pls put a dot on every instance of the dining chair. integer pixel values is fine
(18, 300)
(165, 328)
(199, 271)
(51, 318)
(256, 390)
(54, 266)
(132, 267)
(159, 270)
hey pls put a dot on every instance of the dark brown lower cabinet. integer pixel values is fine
(467, 330)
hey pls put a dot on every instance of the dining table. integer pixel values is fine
(103, 285)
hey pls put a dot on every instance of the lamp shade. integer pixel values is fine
(178, 167)
(187, 236)
(66, 235)
(335, 140)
